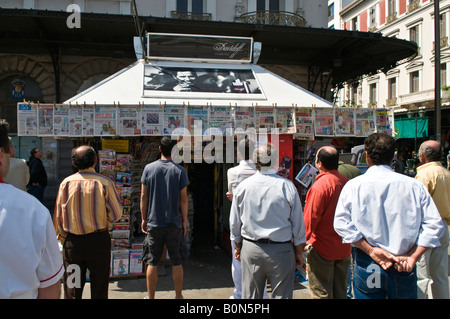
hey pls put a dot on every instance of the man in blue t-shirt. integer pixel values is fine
(164, 209)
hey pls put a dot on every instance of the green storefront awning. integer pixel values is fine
(406, 127)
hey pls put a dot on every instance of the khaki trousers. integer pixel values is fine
(327, 278)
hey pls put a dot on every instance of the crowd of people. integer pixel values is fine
(380, 234)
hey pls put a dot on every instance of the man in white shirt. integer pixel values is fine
(266, 222)
(30, 261)
(391, 219)
(19, 173)
(235, 176)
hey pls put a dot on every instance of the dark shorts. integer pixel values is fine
(170, 236)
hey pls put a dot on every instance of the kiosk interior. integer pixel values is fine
(206, 92)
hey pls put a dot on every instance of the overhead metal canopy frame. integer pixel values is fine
(332, 56)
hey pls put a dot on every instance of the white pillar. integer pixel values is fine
(28, 4)
(79, 3)
(251, 5)
(289, 6)
(211, 8)
(171, 5)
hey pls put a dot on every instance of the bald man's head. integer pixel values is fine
(430, 151)
(84, 157)
(329, 157)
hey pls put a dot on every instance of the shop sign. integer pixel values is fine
(163, 46)
(120, 146)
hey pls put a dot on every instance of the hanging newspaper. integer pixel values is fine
(151, 120)
(45, 119)
(105, 120)
(265, 118)
(88, 120)
(27, 119)
(324, 121)
(285, 120)
(304, 119)
(220, 120)
(173, 119)
(365, 122)
(244, 118)
(197, 119)
(61, 120)
(129, 120)
(344, 124)
(76, 120)
(385, 120)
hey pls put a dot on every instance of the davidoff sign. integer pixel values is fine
(166, 46)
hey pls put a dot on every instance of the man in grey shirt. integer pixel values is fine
(164, 209)
(266, 222)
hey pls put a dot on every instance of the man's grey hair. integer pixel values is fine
(432, 154)
(265, 155)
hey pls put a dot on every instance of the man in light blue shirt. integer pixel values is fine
(266, 221)
(391, 219)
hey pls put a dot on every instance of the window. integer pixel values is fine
(392, 88)
(372, 16)
(391, 7)
(354, 94)
(261, 5)
(331, 10)
(414, 35)
(274, 5)
(443, 25)
(355, 24)
(443, 74)
(414, 82)
(195, 6)
(373, 93)
(182, 5)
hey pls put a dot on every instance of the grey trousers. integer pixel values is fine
(272, 262)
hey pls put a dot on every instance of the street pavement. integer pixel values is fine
(207, 275)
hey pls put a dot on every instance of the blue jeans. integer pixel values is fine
(373, 282)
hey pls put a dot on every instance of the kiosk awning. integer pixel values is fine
(132, 85)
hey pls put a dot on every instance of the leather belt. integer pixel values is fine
(267, 241)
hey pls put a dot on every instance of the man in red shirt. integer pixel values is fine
(328, 258)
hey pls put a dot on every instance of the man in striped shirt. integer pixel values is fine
(86, 205)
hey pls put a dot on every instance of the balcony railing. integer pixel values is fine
(191, 15)
(272, 18)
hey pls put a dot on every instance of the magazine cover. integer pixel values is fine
(306, 175)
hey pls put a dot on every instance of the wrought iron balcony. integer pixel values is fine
(191, 15)
(272, 18)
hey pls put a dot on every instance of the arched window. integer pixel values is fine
(13, 89)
